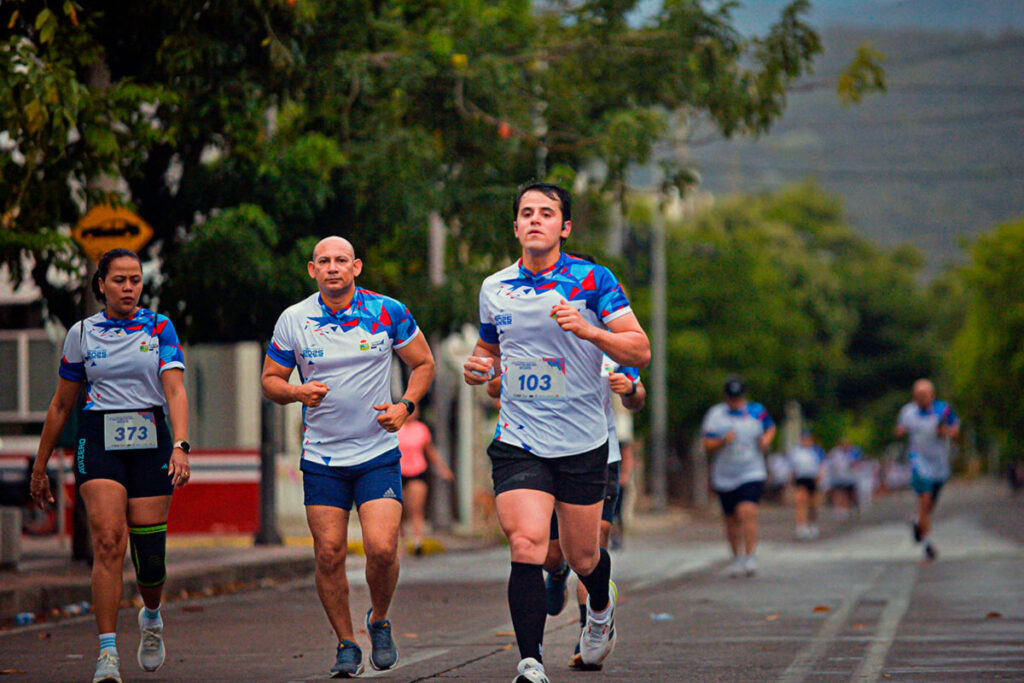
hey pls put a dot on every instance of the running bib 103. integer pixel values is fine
(129, 431)
(535, 379)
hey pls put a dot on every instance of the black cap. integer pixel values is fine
(734, 387)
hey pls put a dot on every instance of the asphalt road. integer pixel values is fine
(857, 605)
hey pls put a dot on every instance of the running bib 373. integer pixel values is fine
(535, 379)
(129, 431)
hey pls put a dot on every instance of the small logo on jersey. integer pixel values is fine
(390, 493)
(93, 354)
(503, 319)
(312, 352)
(370, 344)
(364, 345)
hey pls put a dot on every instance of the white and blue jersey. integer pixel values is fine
(120, 361)
(929, 452)
(566, 414)
(608, 366)
(741, 461)
(806, 461)
(842, 461)
(349, 351)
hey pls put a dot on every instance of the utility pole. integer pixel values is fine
(440, 491)
(269, 417)
(658, 471)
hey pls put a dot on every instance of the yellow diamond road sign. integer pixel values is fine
(107, 227)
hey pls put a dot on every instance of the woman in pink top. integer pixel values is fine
(418, 454)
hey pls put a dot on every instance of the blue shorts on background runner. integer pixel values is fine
(339, 486)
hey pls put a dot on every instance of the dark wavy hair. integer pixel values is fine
(103, 267)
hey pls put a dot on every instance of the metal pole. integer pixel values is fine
(268, 533)
(659, 392)
(465, 456)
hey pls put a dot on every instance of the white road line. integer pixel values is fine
(805, 660)
(871, 665)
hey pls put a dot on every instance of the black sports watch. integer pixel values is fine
(409, 405)
(183, 445)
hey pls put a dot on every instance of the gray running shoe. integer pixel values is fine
(384, 654)
(349, 661)
(151, 652)
(598, 638)
(530, 671)
(107, 669)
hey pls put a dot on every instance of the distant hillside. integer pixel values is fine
(990, 16)
(940, 156)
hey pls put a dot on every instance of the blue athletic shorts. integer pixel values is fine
(338, 487)
(923, 485)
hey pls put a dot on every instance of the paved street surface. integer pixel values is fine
(858, 605)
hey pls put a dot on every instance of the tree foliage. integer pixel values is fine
(778, 288)
(356, 118)
(986, 362)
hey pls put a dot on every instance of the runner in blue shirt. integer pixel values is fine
(928, 425)
(127, 463)
(737, 433)
(545, 324)
(341, 341)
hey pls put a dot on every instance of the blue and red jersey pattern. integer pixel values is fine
(515, 313)
(120, 361)
(928, 452)
(350, 351)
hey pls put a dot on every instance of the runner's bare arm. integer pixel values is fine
(278, 389)
(417, 356)
(624, 340)
(57, 415)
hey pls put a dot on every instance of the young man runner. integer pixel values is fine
(737, 432)
(546, 322)
(928, 425)
(341, 340)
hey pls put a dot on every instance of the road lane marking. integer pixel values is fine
(871, 665)
(804, 662)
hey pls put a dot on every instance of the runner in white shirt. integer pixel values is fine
(807, 460)
(928, 425)
(736, 434)
(341, 341)
(128, 462)
(545, 324)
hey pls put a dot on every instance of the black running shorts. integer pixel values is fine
(575, 479)
(142, 472)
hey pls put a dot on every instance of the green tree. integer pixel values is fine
(777, 287)
(363, 118)
(986, 362)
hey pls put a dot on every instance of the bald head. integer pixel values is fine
(924, 393)
(334, 242)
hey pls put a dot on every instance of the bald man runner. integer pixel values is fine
(341, 341)
(928, 424)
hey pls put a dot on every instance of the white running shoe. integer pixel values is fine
(812, 532)
(803, 533)
(107, 669)
(750, 565)
(530, 671)
(151, 651)
(735, 568)
(598, 638)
